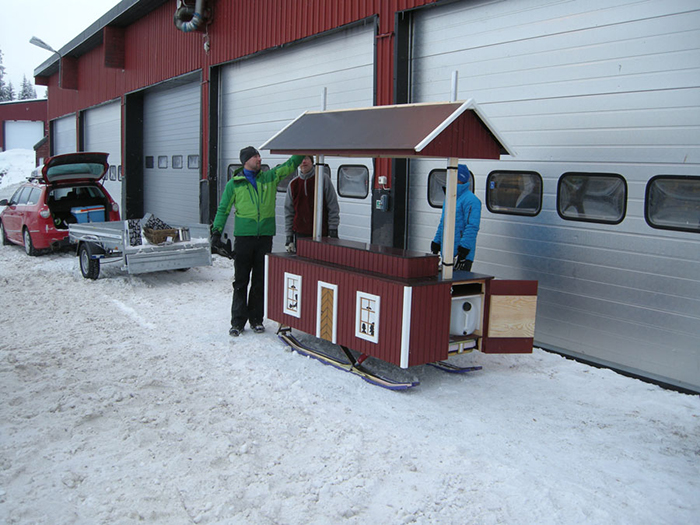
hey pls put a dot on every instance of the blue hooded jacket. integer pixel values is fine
(467, 216)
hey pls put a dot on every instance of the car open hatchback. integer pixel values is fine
(65, 190)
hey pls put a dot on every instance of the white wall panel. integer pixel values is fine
(172, 116)
(263, 94)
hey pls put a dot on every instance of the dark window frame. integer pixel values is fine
(337, 181)
(433, 173)
(513, 210)
(592, 175)
(647, 202)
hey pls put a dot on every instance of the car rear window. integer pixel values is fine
(76, 192)
(88, 168)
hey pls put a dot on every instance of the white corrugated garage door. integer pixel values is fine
(23, 134)
(171, 123)
(102, 132)
(64, 135)
(263, 94)
(558, 79)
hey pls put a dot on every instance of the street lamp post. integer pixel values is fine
(38, 42)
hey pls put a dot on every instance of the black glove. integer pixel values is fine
(333, 234)
(434, 247)
(290, 245)
(462, 263)
(219, 247)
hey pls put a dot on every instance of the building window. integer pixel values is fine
(177, 162)
(673, 203)
(233, 167)
(112, 172)
(162, 162)
(193, 162)
(437, 186)
(353, 181)
(284, 183)
(119, 172)
(514, 192)
(592, 197)
(149, 162)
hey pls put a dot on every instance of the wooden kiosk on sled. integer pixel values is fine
(387, 303)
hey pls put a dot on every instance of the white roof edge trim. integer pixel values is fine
(264, 145)
(468, 104)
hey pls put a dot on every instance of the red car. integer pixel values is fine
(65, 190)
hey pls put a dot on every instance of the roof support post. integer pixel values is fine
(448, 224)
(318, 187)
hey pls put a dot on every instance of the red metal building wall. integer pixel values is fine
(33, 110)
(155, 51)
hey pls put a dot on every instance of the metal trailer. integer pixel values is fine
(110, 242)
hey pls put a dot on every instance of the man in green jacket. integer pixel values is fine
(252, 194)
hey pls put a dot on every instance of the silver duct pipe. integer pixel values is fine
(194, 20)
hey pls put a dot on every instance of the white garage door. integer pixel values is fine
(23, 134)
(171, 125)
(64, 135)
(261, 95)
(102, 132)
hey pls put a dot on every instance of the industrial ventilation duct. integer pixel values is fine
(191, 15)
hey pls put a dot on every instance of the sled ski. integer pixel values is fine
(353, 365)
(453, 369)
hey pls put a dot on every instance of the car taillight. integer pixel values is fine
(115, 206)
(45, 213)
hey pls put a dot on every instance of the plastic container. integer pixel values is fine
(465, 314)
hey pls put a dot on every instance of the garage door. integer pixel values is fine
(23, 134)
(102, 132)
(171, 149)
(261, 95)
(64, 135)
(557, 78)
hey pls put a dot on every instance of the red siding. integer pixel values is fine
(155, 51)
(429, 311)
(391, 262)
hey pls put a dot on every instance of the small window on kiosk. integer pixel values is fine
(353, 181)
(162, 162)
(514, 192)
(150, 162)
(673, 203)
(437, 186)
(284, 183)
(592, 197)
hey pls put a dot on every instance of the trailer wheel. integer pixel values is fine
(89, 267)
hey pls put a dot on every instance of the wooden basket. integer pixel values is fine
(161, 236)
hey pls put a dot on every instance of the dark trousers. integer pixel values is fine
(250, 258)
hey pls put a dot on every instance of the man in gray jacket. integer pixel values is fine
(299, 206)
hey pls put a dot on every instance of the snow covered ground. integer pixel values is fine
(125, 400)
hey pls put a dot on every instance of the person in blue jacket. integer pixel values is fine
(467, 220)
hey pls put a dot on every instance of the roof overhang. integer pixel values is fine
(441, 129)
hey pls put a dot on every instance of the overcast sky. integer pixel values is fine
(56, 22)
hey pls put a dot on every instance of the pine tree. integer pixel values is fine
(11, 91)
(4, 94)
(27, 90)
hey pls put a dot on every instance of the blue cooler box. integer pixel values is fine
(89, 214)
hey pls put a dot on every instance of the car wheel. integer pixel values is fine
(89, 267)
(5, 240)
(28, 245)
